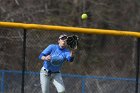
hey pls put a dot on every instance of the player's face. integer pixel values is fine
(62, 42)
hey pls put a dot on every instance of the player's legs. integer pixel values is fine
(58, 83)
(44, 81)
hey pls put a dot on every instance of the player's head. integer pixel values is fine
(62, 40)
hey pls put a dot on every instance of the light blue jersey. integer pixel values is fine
(58, 57)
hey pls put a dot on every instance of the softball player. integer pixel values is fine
(54, 56)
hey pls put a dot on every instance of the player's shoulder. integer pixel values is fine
(67, 50)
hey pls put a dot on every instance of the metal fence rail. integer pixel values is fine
(87, 84)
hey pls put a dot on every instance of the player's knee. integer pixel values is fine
(62, 90)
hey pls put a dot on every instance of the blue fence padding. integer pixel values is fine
(82, 77)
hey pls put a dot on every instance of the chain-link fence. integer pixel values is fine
(103, 64)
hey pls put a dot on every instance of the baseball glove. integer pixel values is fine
(72, 41)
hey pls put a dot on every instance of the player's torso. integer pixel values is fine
(58, 57)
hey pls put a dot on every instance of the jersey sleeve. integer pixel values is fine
(68, 57)
(46, 51)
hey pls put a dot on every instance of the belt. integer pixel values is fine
(49, 71)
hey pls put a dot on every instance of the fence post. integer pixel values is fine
(2, 82)
(23, 63)
(137, 65)
(83, 84)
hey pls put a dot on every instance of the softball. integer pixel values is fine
(84, 16)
